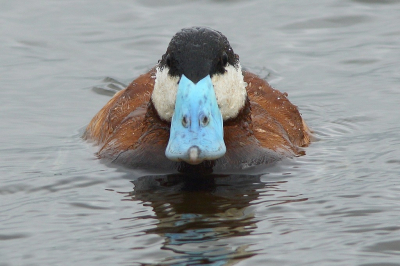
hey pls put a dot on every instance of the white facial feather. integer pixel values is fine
(164, 93)
(230, 91)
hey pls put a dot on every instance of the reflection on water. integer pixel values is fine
(198, 215)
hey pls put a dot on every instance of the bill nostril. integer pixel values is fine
(204, 120)
(185, 121)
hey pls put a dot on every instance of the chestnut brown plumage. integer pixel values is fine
(129, 131)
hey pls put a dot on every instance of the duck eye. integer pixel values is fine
(168, 61)
(224, 59)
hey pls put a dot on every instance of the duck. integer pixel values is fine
(198, 111)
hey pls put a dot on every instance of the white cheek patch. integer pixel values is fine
(164, 93)
(230, 90)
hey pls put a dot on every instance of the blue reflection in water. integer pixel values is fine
(199, 215)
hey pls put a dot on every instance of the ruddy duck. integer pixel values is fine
(197, 110)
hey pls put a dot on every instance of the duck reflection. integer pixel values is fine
(200, 216)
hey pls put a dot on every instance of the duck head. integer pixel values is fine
(199, 85)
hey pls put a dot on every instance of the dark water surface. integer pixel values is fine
(339, 61)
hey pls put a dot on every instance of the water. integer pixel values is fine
(60, 61)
